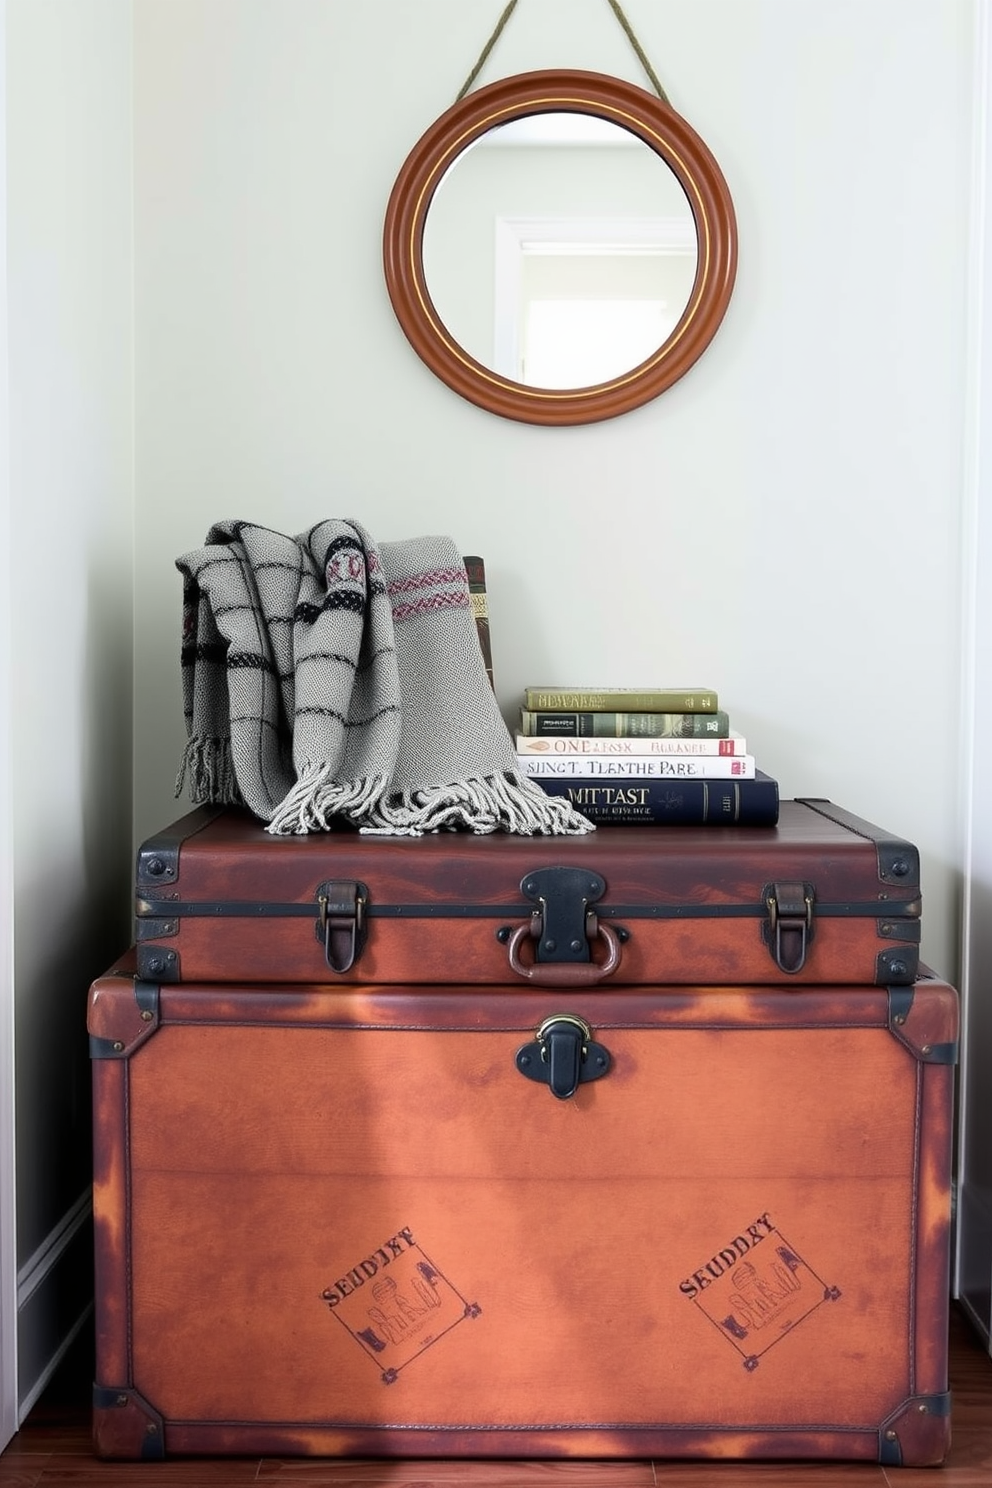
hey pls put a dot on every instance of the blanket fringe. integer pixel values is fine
(208, 763)
(493, 803)
(508, 803)
(317, 797)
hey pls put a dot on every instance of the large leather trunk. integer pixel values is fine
(359, 1220)
(822, 897)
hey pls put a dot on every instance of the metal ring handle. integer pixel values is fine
(565, 973)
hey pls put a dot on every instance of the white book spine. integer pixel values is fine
(554, 745)
(638, 766)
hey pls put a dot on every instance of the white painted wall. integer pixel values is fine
(974, 1228)
(69, 692)
(783, 525)
(8, 1182)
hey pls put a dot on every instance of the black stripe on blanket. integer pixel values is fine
(212, 652)
(250, 659)
(339, 600)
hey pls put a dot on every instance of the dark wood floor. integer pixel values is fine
(53, 1447)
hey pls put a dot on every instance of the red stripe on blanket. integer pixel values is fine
(429, 578)
(446, 601)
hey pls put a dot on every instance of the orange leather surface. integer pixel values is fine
(346, 1220)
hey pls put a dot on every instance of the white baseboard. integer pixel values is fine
(980, 1324)
(36, 1270)
(974, 1271)
(54, 1300)
(26, 1404)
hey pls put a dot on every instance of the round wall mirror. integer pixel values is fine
(560, 247)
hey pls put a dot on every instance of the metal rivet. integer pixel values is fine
(122, 1400)
(900, 868)
(550, 945)
(156, 867)
(156, 964)
(529, 886)
(922, 1408)
(146, 1016)
(576, 945)
(925, 1049)
(898, 968)
(890, 1435)
(151, 1428)
(886, 928)
(899, 1018)
(525, 1059)
(503, 934)
(118, 1046)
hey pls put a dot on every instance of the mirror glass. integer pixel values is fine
(560, 250)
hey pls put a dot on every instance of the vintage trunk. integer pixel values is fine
(465, 1221)
(822, 897)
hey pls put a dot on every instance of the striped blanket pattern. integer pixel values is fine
(327, 679)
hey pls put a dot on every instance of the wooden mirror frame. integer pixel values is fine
(605, 97)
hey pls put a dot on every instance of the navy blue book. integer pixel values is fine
(623, 803)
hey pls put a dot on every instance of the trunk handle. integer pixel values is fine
(565, 973)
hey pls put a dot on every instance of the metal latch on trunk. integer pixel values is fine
(563, 1055)
(563, 927)
(341, 905)
(789, 927)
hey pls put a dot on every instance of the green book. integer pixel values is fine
(567, 723)
(622, 699)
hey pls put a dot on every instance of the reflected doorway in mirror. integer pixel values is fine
(579, 302)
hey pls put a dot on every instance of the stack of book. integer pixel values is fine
(624, 755)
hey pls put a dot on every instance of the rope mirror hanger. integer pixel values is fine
(640, 116)
(617, 10)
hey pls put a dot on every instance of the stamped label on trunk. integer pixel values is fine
(396, 1303)
(756, 1289)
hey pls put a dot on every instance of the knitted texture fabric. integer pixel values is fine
(325, 677)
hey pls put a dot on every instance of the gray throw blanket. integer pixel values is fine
(325, 677)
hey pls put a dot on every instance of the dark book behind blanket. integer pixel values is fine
(623, 803)
(476, 570)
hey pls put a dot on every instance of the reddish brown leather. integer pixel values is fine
(572, 1275)
(124, 1425)
(692, 875)
(406, 952)
(917, 1434)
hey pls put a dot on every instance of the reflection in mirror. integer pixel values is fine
(559, 250)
